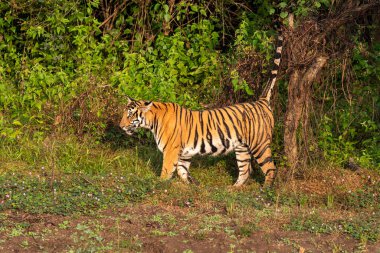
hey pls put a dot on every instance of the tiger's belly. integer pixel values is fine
(206, 147)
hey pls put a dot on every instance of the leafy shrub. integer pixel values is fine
(178, 68)
(351, 130)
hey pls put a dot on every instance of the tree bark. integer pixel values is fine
(298, 95)
(306, 48)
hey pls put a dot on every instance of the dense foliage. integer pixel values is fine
(69, 63)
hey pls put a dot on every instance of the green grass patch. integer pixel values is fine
(69, 176)
(312, 223)
(360, 227)
(71, 193)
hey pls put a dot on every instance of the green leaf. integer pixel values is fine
(194, 8)
(284, 14)
(271, 11)
(167, 17)
(17, 123)
(249, 91)
(156, 6)
(282, 5)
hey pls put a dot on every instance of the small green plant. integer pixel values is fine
(18, 230)
(64, 225)
(88, 237)
(312, 223)
(362, 229)
(25, 244)
(132, 244)
(157, 232)
(247, 229)
(330, 201)
(200, 235)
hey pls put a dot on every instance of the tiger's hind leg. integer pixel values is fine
(243, 158)
(264, 159)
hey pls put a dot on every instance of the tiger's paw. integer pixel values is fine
(165, 176)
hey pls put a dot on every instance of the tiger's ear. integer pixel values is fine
(130, 100)
(146, 107)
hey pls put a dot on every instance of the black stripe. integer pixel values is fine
(269, 170)
(189, 132)
(275, 67)
(224, 123)
(203, 150)
(257, 122)
(183, 166)
(242, 174)
(244, 161)
(277, 56)
(221, 136)
(201, 122)
(267, 160)
(214, 119)
(213, 148)
(232, 122)
(180, 115)
(261, 153)
(227, 144)
(209, 138)
(238, 119)
(196, 137)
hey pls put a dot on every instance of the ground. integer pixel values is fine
(69, 197)
(156, 228)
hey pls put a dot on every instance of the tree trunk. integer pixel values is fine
(298, 95)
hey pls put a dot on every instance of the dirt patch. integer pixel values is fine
(331, 181)
(155, 228)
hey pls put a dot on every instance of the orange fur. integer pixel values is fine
(181, 133)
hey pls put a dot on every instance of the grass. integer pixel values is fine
(79, 178)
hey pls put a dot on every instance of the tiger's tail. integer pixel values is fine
(267, 92)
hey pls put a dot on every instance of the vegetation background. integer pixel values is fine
(67, 66)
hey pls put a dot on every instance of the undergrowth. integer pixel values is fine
(66, 176)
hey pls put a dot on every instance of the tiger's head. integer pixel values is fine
(134, 115)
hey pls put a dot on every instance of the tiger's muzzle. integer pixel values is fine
(129, 130)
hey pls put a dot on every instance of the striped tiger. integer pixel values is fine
(180, 133)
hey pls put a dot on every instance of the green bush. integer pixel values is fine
(351, 129)
(182, 67)
(62, 66)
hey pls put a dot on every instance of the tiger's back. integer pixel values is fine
(220, 131)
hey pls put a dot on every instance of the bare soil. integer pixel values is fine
(157, 228)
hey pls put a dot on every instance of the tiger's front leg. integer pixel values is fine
(183, 169)
(169, 164)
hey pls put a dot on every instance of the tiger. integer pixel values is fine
(181, 133)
